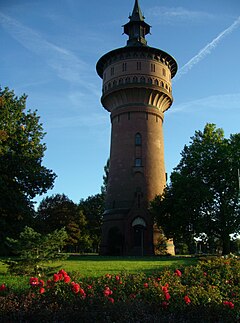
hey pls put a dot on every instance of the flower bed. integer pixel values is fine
(209, 291)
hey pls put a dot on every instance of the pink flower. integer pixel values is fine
(107, 291)
(205, 274)
(117, 277)
(187, 300)
(178, 273)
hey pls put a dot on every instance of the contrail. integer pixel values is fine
(207, 49)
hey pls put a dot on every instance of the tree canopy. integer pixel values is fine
(203, 196)
(22, 175)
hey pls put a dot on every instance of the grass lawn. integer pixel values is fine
(97, 266)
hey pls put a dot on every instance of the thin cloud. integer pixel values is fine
(220, 102)
(207, 49)
(179, 14)
(67, 65)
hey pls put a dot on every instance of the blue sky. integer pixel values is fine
(49, 51)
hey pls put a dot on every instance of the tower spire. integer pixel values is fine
(136, 28)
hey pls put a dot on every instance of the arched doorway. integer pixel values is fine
(139, 227)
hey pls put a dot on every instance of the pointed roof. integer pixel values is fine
(136, 28)
(137, 13)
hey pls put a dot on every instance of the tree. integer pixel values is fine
(203, 196)
(93, 208)
(58, 211)
(35, 251)
(105, 178)
(22, 176)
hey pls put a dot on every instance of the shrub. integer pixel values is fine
(208, 292)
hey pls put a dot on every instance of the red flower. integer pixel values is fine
(178, 273)
(145, 285)
(82, 292)
(167, 296)
(33, 281)
(62, 272)
(3, 287)
(117, 277)
(229, 304)
(111, 300)
(42, 290)
(164, 289)
(187, 300)
(67, 279)
(107, 291)
(75, 287)
(41, 283)
(55, 278)
(204, 274)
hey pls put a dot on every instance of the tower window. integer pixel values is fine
(112, 71)
(156, 82)
(138, 162)
(124, 67)
(138, 139)
(139, 66)
(152, 67)
(127, 80)
(164, 72)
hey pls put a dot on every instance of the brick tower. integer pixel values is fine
(136, 91)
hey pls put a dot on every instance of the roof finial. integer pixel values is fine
(136, 28)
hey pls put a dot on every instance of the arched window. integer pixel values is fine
(156, 82)
(135, 79)
(138, 139)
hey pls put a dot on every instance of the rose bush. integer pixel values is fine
(209, 291)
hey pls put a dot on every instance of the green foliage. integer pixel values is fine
(22, 175)
(34, 251)
(203, 196)
(59, 211)
(93, 208)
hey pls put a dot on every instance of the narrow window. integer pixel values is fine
(138, 139)
(128, 115)
(164, 72)
(142, 79)
(138, 162)
(124, 67)
(139, 66)
(112, 71)
(127, 80)
(156, 82)
(152, 67)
